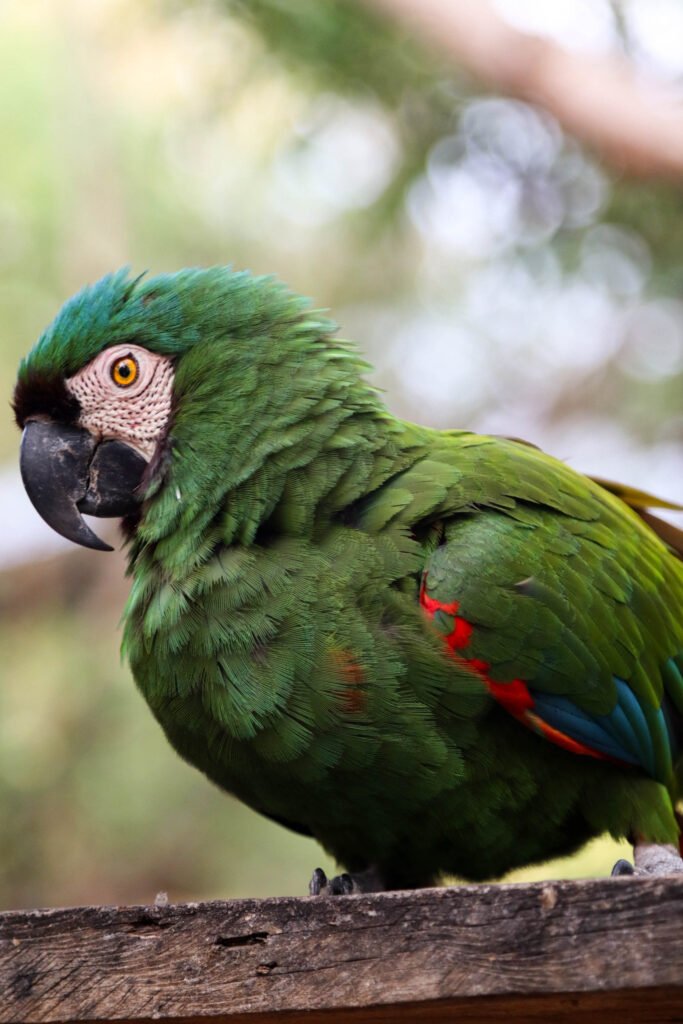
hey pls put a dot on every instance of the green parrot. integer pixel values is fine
(434, 651)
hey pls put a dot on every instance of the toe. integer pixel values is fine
(318, 882)
(342, 885)
(657, 859)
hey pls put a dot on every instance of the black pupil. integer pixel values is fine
(125, 370)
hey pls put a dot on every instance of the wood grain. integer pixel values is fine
(611, 948)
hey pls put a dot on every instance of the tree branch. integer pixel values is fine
(635, 126)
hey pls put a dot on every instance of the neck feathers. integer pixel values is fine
(267, 440)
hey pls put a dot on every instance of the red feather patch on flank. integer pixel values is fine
(353, 696)
(513, 696)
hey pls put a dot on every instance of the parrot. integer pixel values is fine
(437, 652)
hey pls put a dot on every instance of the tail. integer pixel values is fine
(641, 503)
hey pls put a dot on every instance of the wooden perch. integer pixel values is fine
(635, 126)
(555, 951)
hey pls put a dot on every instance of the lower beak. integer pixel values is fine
(67, 472)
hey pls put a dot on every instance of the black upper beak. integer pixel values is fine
(66, 472)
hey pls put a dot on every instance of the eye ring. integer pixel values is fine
(125, 371)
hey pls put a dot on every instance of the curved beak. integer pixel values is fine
(67, 472)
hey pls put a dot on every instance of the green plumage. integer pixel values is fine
(274, 624)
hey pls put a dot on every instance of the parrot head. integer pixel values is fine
(101, 392)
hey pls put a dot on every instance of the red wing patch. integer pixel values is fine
(513, 696)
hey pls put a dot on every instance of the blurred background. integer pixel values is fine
(508, 267)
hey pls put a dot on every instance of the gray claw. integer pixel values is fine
(318, 882)
(340, 885)
(346, 884)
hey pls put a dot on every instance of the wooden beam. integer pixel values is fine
(548, 951)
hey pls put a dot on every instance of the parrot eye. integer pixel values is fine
(124, 371)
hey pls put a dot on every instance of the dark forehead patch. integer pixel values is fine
(41, 394)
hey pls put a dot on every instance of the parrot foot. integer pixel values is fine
(345, 884)
(651, 859)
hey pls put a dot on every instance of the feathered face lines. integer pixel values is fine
(125, 393)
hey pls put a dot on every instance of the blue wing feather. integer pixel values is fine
(610, 734)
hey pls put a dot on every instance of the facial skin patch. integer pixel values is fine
(125, 393)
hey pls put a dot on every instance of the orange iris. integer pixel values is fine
(124, 371)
